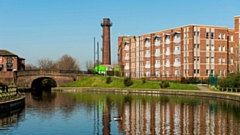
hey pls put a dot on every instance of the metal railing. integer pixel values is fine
(227, 89)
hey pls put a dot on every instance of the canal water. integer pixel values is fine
(85, 113)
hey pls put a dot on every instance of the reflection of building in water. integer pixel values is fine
(10, 117)
(169, 118)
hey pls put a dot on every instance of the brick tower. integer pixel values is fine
(106, 48)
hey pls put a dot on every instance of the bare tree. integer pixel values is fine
(30, 67)
(66, 62)
(47, 64)
(97, 62)
(89, 65)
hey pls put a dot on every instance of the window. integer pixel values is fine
(157, 61)
(177, 59)
(9, 60)
(198, 46)
(177, 72)
(158, 73)
(207, 60)
(177, 48)
(194, 33)
(157, 41)
(223, 60)
(231, 60)
(231, 38)
(207, 47)
(219, 35)
(9, 64)
(194, 46)
(223, 48)
(212, 35)
(206, 34)
(219, 48)
(231, 49)
(212, 48)
(126, 46)
(148, 52)
(223, 36)
(212, 72)
(219, 60)
(207, 72)
(212, 59)
(148, 73)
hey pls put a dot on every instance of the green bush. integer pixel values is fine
(164, 84)
(232, 81)
(108, 80)
(144, 79)
(128, 81)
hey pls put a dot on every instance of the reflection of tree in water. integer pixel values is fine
(49, 101)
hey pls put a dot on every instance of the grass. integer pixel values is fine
(100, 82)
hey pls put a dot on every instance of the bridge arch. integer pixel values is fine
(43, 82)
(29, 78)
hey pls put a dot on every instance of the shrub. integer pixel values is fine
(108, 80)
(232, 81)
(128, 81)
(144, 80)
(164, 84)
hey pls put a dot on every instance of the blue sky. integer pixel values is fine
(36, 29)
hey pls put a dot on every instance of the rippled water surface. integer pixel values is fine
(81, 113)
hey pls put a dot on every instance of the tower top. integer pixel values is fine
(106, 22)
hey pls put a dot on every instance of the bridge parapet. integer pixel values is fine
(47, 72)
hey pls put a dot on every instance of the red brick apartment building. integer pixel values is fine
(9, 62)
(188, 51)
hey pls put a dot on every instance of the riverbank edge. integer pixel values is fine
(12, 104)
(211, 94)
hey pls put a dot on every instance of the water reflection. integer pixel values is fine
(92, 113)
(11, 118)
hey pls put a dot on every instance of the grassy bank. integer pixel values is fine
(100, 82)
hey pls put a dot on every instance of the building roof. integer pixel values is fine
(6, 53)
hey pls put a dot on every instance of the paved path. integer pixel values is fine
(203, 88)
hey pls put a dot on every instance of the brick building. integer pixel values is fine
(189, 51)
(10, 61)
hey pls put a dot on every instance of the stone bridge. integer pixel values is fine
(30, 78)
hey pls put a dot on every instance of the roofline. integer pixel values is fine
(237, 16)
(186, 26)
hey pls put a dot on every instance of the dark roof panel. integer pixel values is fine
(6, 53)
